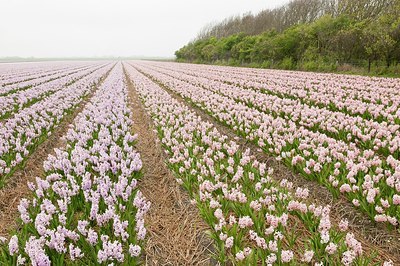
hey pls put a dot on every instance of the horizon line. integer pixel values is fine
(34, 58)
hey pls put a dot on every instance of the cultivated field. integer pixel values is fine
(156, 163)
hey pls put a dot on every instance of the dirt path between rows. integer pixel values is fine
(372, 236)
(16, 187)
(176, 230)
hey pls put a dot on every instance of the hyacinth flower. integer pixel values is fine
(253, 219)
(87, 210)
(31, 126)
(370, 134)
(368, 97)
(367, 134)
(24, 76)
(368, 180)
(12, 103)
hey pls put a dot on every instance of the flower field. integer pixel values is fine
(86, 207)
(349, 154)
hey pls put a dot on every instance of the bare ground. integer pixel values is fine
(372, 236)
(16, 187)
(177, 233)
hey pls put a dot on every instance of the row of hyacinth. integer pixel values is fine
(87, 209)
(367, 134)
(254, 220)
(22, 133)
(372, 98)
(15, 75)
(34, 69)
(30, 81)
(380, 137)
(369, 97)
(12, 103)
(369, 181)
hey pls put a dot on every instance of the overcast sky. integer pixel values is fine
(68, 28)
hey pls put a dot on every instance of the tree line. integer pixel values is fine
(323, 35)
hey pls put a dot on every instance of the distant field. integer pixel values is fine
(161, 163)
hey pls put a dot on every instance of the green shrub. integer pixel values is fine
(287, 63)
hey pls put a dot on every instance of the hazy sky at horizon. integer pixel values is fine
(88, 28)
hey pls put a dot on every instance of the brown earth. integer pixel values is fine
(372, 236)
(177, 233)
(16, 187)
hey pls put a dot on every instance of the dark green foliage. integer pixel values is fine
(349, 40)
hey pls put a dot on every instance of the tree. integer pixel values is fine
(377, 42)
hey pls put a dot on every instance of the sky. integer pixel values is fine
(98, 28)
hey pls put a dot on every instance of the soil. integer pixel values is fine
(16, 187)
(372, 236)
(177, 233)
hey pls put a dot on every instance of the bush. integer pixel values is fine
(309, 66)
(267, 64)
(394, 69)
(254, 65)
(287, 63)
(233, 62)
(346, 68)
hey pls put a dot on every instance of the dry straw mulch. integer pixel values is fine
(16, 187)
(374, 237)
(176, 232)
